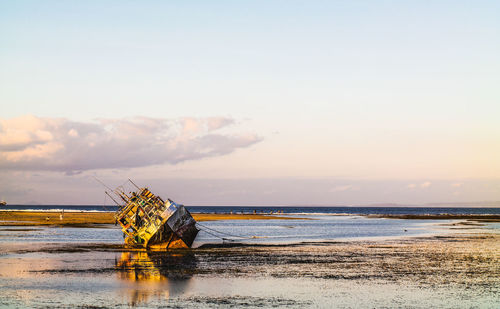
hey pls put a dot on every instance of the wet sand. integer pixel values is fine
(88, 219)
(463, 258)
(480, 218)
(454, 270)
(457, 271)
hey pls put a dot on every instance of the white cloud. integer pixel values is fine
(58, 144)
(412, 186)
(457, 184)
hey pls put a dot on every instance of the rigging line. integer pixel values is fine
(133, 184)
(107, 187)
(216, 236)
(104, 203)
(127, 181)
(224, 233)
(102, 183)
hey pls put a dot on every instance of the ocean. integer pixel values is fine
(326, 257)
(313, 228)
(291, 210)
(313, 224)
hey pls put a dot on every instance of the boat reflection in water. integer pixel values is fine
(155, 274)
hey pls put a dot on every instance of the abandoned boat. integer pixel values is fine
(150, 222)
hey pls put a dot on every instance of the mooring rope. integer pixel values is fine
(203, 227)
(216, 236)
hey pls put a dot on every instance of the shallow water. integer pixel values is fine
(217, 292)
(68, 267)
(141, 279)
(315, 228)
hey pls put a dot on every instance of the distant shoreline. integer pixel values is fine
(88, 219)
(480, 218)
(382, 205)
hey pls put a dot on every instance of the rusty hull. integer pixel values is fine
(149, 222)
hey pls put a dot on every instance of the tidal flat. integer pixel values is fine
(90, 219)
(456, 269)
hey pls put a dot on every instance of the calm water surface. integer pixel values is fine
(137, 279)
(348, 210)
(315, 228)
(32, 276)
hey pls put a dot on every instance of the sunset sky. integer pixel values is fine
(251, 103)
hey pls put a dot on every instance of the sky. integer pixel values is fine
(251, 102)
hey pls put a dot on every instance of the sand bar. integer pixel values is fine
(481, 218)
(82, 219)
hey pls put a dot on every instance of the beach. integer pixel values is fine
(83, 219)
(86, 219)
(455, 272)
(66, 265)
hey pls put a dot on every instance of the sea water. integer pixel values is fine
(35, 276)
(298, 210)
(314, 228)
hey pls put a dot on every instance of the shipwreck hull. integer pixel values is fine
(179, 231)
(149, 222)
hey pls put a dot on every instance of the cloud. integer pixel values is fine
(457, 184)
(58, 144)
(411, 186)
